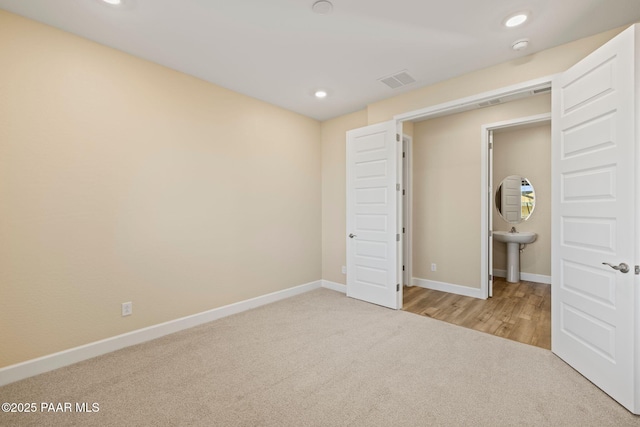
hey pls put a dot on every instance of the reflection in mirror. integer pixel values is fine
(515, 199)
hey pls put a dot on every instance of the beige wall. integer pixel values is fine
(122, 180)
(447, 187)
(526, 152)
(334, 218)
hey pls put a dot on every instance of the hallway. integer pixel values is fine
(517, 311)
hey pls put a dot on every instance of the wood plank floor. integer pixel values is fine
(517, 311)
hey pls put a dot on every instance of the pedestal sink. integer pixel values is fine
(514, 239)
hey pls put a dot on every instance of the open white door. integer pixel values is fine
(372, 214)
(594, 326)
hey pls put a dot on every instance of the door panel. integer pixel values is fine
(372, 204)
(593, 209)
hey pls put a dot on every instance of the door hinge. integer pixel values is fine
(403, 154)
(490, 277)
(491, 232)
(491, 146)
(397, 187)
(397, 287)
(403, 268)
(398, 137)
(397, 237)
(638, 269)
(402, 230)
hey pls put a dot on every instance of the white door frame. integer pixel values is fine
(407, 207)
(508, 93)
(486, 204)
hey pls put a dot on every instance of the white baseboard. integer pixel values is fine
(53, 361)
(334, 286)
(448, 287)
(529, 277)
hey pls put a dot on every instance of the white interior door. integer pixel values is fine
(373, 241)
(593, 165)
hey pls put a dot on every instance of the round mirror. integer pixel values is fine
(515, 199)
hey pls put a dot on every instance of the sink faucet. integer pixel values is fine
(513, 230)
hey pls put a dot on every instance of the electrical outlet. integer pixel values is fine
(344, 269)
(127, 308)
(434, 267)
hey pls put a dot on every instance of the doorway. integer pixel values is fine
(448, 194)
(518, 162)
(519, 311)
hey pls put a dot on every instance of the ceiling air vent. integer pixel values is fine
(489, 102)
(541, 90)
(398, 80)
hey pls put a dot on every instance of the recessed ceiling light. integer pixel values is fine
(515, 20)
(320, 94)
(113, 2)
(322, 7)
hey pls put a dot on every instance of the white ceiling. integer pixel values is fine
(280, 51)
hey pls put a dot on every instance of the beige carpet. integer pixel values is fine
(322, 359)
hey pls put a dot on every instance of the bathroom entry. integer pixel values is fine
(519, 200)
(444, 198)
